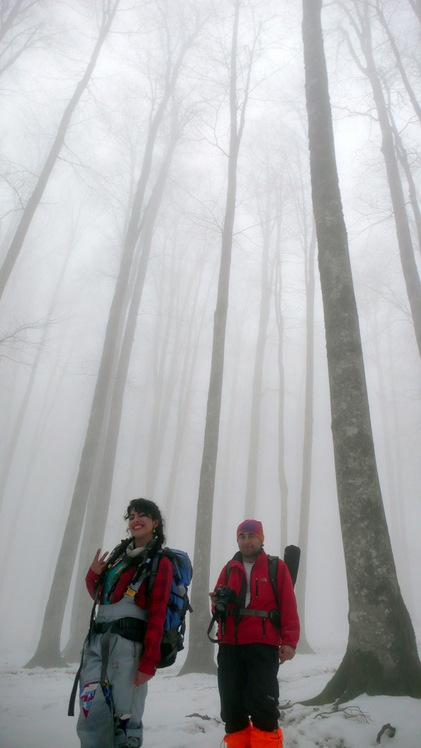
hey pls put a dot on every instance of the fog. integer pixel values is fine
(56, 302)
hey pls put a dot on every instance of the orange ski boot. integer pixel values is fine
(263, 739)
(239, 739)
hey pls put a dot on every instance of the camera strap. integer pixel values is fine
(213, 620)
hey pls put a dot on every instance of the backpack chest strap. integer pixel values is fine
(274, 615)
(248, 612)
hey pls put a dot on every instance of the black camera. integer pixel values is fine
(226, 596)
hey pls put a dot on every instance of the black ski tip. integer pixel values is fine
(292, 555)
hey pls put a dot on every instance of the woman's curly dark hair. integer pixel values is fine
(150, 509)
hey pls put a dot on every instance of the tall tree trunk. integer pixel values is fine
(164, 367)
(35, 199)
(48, 650)
(22, 411)
(403, 233)
(304, 524)
(256, 395)
(200, 656)
(381, 655)
(282, 477)
(188, 372)
(100, 493)
(399, 63)
(412, 187)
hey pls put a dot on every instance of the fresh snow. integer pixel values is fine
(183, 711)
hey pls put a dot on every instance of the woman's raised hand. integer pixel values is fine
(98, 563)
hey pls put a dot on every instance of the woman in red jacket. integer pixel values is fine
(259, 631)
(123, 648)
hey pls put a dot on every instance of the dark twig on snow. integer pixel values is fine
(349, 712)
(388, 729)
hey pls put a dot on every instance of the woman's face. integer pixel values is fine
(141, 527)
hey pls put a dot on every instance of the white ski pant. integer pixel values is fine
(105, 723)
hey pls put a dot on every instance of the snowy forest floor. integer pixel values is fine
(183, 712)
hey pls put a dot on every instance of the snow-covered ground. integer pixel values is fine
(183, 712)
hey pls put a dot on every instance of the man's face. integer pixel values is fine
(250, 545)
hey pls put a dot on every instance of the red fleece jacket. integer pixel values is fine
(254, 629)
(157, 609)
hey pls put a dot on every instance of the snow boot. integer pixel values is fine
(239, 739)
(263, 739)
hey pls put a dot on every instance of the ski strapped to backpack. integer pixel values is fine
(292, 560)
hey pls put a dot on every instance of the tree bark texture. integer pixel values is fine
(381, 655)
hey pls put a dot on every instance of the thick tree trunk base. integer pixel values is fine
(362, 672)
(200, 661)
(72, 652)
(303, 647)
(46, 658)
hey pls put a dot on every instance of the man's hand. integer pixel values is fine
(98, 563)
(285, 653)
(141, 678)
(214, 598)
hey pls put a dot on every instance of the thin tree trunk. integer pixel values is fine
(403, 233)
(416, 7)
(184, 397)
(412, 188)
(22, 412)
(282, 477)
(97, 510)
(48, 650)
(304, 524)
(399, 63)
(163, 387)
(200, 656)
(35, 199)
(256, 395)
(381, 656)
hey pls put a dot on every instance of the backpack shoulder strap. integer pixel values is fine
(236, 557)
(273, 573)
(154, 568)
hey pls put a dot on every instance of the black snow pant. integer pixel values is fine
(248, 686)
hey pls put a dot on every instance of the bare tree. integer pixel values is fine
(416, 7)
(404, 161)
(304, 523)
(109, 11)
(102, 479)
(360, 21)
(20, 30)
(399, 63)
(266, 290)
(280, 323)
(48, 651)
(381, 655)
(200, 657)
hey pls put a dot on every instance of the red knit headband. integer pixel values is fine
(253, 526)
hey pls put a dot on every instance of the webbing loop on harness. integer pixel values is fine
(273, 615)
(128, 628)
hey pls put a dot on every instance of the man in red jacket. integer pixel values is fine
(259, 631)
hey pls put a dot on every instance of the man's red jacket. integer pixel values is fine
(253, 629)
(157, 608)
